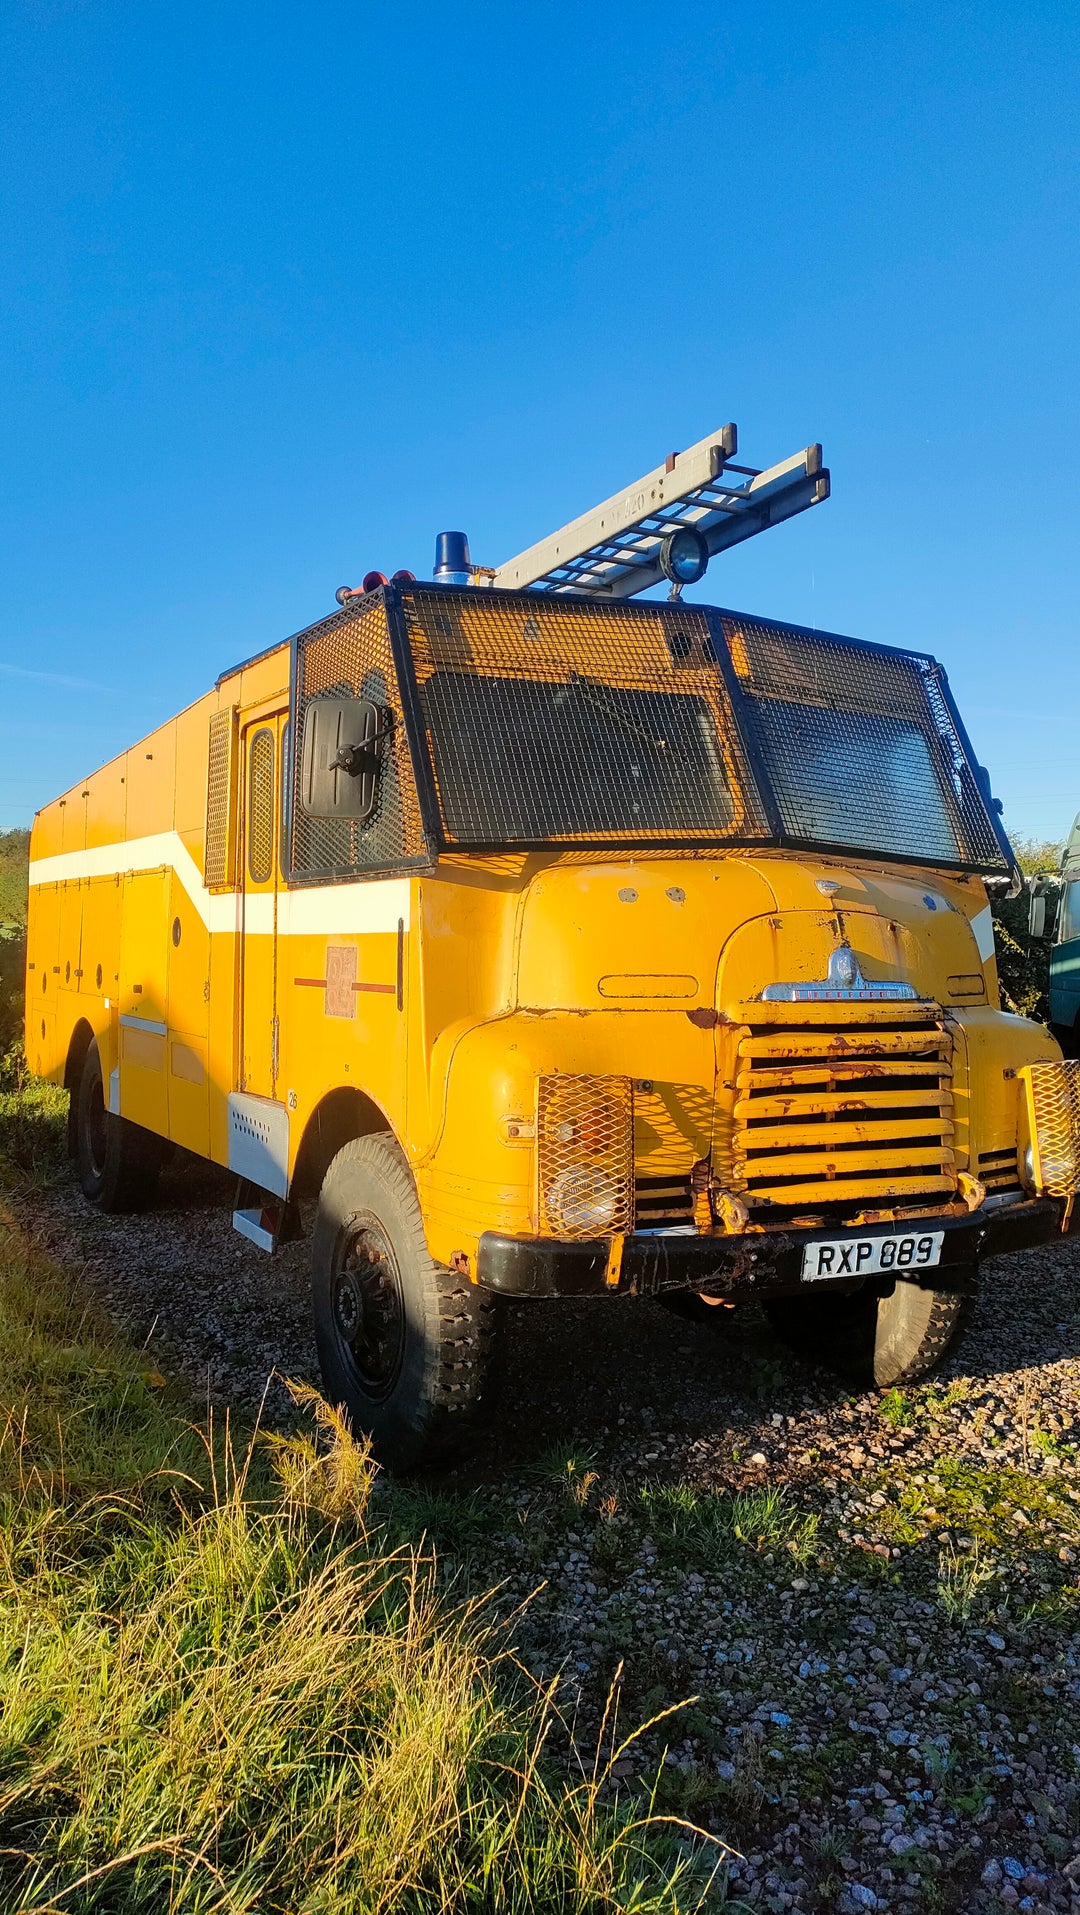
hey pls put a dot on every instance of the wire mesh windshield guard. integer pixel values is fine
(522, 721)
(350, 654)
(558, 721)
(860, 747)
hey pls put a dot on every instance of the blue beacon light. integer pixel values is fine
(453, 566)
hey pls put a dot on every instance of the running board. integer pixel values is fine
(264, 1219)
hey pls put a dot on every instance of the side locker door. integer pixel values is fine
(143, 1001)
(259, 1049)
(99, 951)
(42, 981)
(189, 1020)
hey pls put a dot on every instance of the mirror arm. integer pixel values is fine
(357, 759)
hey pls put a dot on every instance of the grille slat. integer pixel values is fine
(663, 1200)
(827, 1104)
(813, 1138)
(840, 1110)
(998, 1169)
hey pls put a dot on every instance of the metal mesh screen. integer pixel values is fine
(1053, 1095)
(860, 746)
(260, 818)
(585, 1155)
(554, 720)
(349, 654)
(219, 857)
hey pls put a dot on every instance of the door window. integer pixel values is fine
(261, 807)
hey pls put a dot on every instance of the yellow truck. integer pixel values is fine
(560, 945)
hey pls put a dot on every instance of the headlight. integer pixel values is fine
(684, 556)
(584, 1155)
(583, 1200)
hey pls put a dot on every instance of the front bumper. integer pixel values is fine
(767, 1263)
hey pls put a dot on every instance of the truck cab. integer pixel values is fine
(1065, 952)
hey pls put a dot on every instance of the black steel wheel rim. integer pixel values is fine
(368, 1308)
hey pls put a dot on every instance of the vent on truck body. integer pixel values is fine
(843, 1110)
(219, 862)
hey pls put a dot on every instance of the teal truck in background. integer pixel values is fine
(1055, 913)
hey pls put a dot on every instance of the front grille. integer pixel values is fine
(998, 1170)
(842, 1111)
(663, 1201)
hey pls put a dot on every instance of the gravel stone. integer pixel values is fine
(920, 1638)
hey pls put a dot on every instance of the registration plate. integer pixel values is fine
(867, 1256)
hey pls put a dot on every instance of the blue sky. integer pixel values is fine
(287, 289)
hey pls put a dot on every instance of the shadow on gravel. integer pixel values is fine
(600, 1371)
(589, 1369)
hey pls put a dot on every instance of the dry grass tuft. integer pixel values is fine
(223, 1691)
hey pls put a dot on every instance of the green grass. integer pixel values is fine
(708, 1529)
(33, 1120)
(231, 1680)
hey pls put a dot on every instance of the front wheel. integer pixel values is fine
(405, 1345)
(118, 1161)
(872, 1340)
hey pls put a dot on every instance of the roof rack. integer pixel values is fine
(614, 550)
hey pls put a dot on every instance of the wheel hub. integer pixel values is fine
(369, 1314)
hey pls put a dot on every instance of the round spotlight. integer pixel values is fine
(582, 1200)
(684, 556)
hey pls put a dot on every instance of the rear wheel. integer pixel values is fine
(118, 1161)
(874, 1340)
(405, 1345)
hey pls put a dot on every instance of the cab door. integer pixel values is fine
(1065, 962)
(258, 1059)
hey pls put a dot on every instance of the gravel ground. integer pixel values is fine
(876, 1602)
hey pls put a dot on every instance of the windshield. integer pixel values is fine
(554, 721)
(518, 760)
(551, 720)
(859, 746)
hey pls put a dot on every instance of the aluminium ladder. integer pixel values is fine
(614, 550)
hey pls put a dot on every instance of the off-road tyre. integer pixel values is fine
(875, 1341)
(406, 1346)
(119, 1162)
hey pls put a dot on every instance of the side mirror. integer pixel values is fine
(339, 763)
(1037, 915)
(1043, 900)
